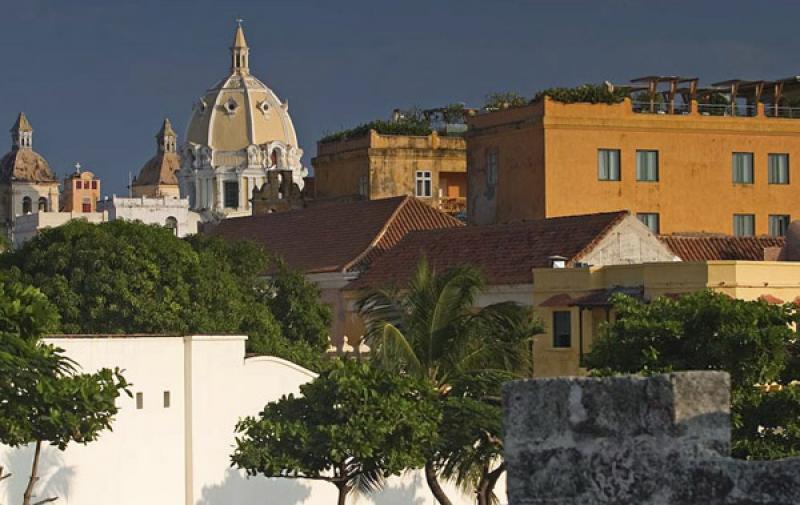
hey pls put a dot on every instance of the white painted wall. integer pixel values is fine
(153, 211)
(181, 454)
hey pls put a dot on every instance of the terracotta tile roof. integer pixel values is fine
(720, 247)
(339, 236)
(506, 253)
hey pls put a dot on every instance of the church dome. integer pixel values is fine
(23, 164)
(240, 110)
(161, 169)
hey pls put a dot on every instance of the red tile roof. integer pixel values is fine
(338, 236)
(720, 247)
(506, 253)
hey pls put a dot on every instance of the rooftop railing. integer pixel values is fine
(785, 112)
(659, 108)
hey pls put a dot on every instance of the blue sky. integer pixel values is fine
(97, 77)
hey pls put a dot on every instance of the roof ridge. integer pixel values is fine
(378, 236)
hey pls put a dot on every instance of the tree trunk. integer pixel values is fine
(343, 490)
(487, 484)
(433, 484)
(26, 498)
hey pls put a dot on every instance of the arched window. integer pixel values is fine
(274, 157)
(42, 204)
(26, 205)
(172, 224)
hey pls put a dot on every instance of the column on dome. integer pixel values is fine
(196, 203)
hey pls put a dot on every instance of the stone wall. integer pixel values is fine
(633, 441)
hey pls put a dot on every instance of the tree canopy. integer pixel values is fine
(752, 340)
(353, 426)
(127, 277)
(42, 398)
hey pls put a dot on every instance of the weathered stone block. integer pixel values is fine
(633, 440)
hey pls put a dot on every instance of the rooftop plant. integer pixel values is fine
(411, 123)
(585, 93)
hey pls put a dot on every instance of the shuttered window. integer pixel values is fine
(744, 225)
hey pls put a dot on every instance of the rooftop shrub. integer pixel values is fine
(585, 93)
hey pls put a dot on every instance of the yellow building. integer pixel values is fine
(573, 302)
(81, 192)
(681, 166)
(374, 166)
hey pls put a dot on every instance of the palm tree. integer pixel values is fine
(433, 330)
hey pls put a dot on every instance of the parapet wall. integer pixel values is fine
(633, 441)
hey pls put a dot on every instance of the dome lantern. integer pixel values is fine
(22, 133)
(240, 51)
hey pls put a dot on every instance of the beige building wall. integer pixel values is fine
(558, 288)
(81, 193)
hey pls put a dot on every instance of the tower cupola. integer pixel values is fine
(22, 133)
(240, 51)
(166, 138)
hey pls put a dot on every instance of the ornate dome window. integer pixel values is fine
(263, 106)
(231, 106)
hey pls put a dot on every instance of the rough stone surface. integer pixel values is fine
(633, 440)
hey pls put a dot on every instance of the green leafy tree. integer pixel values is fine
(504, 100)
(295, 303)
(752, 340)
(433, 330)
(353, 426)
(127, 277)
(42, 399)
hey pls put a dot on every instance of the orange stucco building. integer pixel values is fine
(81, 192)
(374, 166)
(689, 169)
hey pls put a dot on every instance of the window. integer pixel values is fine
(166, 399)
(778, 168)
(650, 219)
(139, 401)
(778, 224)
(744, 225)
(743, 168)
(94, 184)
(423, 184)
(562, 328)
(491, 168)
(42, 204)
(78, 185)
(172, 224)
(26, 205)
(647, 165)
(231, 192)
(608, 164)
(363, 185)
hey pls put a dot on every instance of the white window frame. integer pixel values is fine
(423, 187)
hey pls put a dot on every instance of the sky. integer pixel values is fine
(96, 78)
